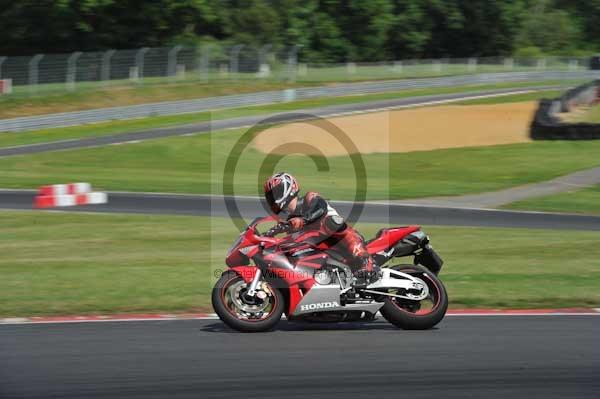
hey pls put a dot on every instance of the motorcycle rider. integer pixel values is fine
(313, 213)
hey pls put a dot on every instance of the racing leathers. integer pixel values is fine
(313, 213)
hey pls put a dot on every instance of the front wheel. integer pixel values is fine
(244, 313)
(417, 315)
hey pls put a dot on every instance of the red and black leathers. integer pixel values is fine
(317, 215)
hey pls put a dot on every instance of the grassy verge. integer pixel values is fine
(195, 164)
(62, 263)
(113, 96)
(9, 139)
(585, 201)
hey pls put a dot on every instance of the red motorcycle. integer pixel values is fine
(312, 282)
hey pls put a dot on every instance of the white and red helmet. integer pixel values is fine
(280, 190)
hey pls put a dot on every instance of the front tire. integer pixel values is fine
(409, 315)
(234, 309)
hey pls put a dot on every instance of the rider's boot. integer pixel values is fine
(368, 274)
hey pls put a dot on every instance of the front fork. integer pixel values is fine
(254, 283)
(252, 289)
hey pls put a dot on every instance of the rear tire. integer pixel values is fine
(221, 296)
(401, 312)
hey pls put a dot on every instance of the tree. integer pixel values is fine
(410, 29)
(328, 30)
(552, 31)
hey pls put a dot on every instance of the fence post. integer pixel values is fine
(234, 58)
(72, 70)
(573, 64)
(302, 69)
(397, 66)
(34, 64)
(264, 70)
(541, 63)
(2, 59)
(205, 62)
(139, 63)
(293, 62)
(350, 68)
(472, 64)
(509, 63)
(172, 61)
(105, 72)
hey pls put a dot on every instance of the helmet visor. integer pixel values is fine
(274, 198)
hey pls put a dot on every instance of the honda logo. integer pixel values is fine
(321, 305)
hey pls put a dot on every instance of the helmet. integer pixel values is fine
(280, 190)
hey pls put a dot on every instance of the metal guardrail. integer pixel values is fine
(262, 98)
(55, 73)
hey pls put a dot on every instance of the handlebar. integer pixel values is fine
(252, 235)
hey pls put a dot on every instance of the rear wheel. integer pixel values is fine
(417, 315)
(242, 312)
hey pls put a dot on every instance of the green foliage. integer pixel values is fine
(529, 52)
(552, 31)
(328, 30)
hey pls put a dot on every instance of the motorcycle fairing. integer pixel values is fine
(386, 238)
(326, 298)
(246, 272)
(298, 279)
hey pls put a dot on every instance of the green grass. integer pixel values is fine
(98, 96)
(195, 165)
(65, 263)
(9, 139)
(586, 201)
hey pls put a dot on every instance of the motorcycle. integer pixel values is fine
(309, 281)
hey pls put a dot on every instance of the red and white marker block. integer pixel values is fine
(71, 194)
(5, 86)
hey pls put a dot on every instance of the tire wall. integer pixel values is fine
(547, 125)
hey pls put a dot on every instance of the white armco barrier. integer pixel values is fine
(72, 194)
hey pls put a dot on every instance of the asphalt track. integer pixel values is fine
(240, 122)
(206, 205)
(464, 357)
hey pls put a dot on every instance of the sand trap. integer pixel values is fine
(416, 129)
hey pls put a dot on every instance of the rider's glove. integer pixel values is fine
(296, 223)
(278, 228)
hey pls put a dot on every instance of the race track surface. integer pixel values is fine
(206, 205)
(279, 117)
(465, 357)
